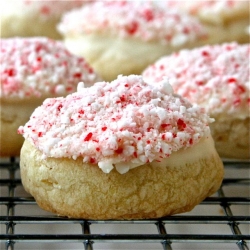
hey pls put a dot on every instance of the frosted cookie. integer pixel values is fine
(226, 19)
(33, 69)
(217, 78)
(28, 18)
(119, 150)
(124, 37)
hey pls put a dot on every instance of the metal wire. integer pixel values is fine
(162, 230)
(233, 225)
(166, 240)
(86, 231)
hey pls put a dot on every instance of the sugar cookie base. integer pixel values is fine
(14, 113)
(71, 188)
(232, 137)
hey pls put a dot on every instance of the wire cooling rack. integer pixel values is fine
(219, 222)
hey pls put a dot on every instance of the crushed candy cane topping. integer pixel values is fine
(144, 20)
(122, 124)
(215, 77)
(41, 66)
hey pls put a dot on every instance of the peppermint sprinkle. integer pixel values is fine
(144, 20)
(215, 77)
(34, 67)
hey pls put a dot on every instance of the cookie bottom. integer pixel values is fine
(14, 113)
(232, 137)
(75, 189)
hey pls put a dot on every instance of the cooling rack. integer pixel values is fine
(221, 221)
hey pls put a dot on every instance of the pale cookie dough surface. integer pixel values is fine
(14, 113)
(111, 56)
(232, 138)
(75, 189)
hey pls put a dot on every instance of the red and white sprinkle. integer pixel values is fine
(122, 124)
(215, 77)
(144, 20)
(34, 67)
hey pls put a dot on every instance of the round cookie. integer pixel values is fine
(124, 37)
(228, 18)
(216, 78)
(119, 150)
(28, 18)
(33, 69)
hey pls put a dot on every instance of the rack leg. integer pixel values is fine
(162, 230)
(88, 245)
